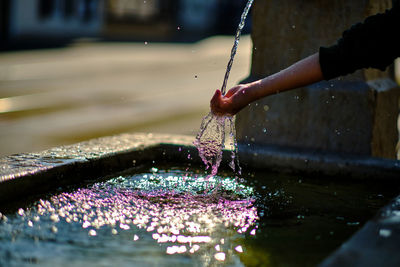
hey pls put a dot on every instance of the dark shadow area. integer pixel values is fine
(117, 21)
(32, 43)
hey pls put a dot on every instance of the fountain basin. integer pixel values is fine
(25, 178)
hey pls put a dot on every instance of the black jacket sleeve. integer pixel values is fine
(374, 43)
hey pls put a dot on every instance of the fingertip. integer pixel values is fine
(217, 94)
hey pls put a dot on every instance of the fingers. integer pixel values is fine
(225, 104)
(217, 94)
(215, 102)
(216, 97)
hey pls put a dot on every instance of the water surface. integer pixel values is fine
(168, 216)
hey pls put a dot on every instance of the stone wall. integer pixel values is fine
(355, 114)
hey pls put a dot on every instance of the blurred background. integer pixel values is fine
(72, 70)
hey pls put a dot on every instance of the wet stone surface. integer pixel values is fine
(23, 164)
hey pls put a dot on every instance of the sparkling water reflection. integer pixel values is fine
(182, 213)
(171, 217)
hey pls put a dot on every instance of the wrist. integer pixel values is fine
(256, 90)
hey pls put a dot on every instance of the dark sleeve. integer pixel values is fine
(373, 43)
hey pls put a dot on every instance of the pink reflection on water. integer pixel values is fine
(194, 222)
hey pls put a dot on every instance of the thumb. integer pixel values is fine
(217, 95)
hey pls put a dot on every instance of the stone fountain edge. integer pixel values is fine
(31, 173)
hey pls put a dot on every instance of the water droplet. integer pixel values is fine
(155, 236)
(266, 108)
(385, 232)
(353, 223)
(194, 248)
(114, 231)
(92, 232)
(86, 224)
(182, 249)
(135, 238)
(239, 249)
(220, 256)
(21, 212)
(124, 226)
(54, 218)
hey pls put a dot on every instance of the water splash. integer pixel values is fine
(210, 141)
(212, 138)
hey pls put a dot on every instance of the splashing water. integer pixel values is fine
(210, 141)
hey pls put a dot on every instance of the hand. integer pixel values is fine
(232, 102)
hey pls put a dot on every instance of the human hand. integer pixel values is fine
(230, 103)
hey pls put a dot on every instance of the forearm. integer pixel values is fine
(303, 72)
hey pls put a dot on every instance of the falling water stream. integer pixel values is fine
(211, 139)
(236, 43)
